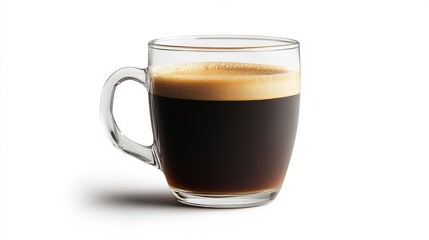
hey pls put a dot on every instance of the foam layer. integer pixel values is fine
(224, 81)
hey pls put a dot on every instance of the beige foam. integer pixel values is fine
(224, 81)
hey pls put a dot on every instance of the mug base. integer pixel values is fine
(225, 201)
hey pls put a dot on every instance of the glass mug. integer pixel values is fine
(224, 112)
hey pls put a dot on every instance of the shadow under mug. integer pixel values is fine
(224, 112)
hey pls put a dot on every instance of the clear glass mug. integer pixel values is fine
(224, 112)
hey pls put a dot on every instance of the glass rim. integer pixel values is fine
(230, 43)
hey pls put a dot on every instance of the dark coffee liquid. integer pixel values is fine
(225, 146)
(218, 146)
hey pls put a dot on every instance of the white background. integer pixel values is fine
(361, 160)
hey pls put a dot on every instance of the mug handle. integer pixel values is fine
(145, 153)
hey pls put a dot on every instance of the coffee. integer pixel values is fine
(224, 128)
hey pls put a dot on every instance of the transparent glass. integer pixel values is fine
(224, 111)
